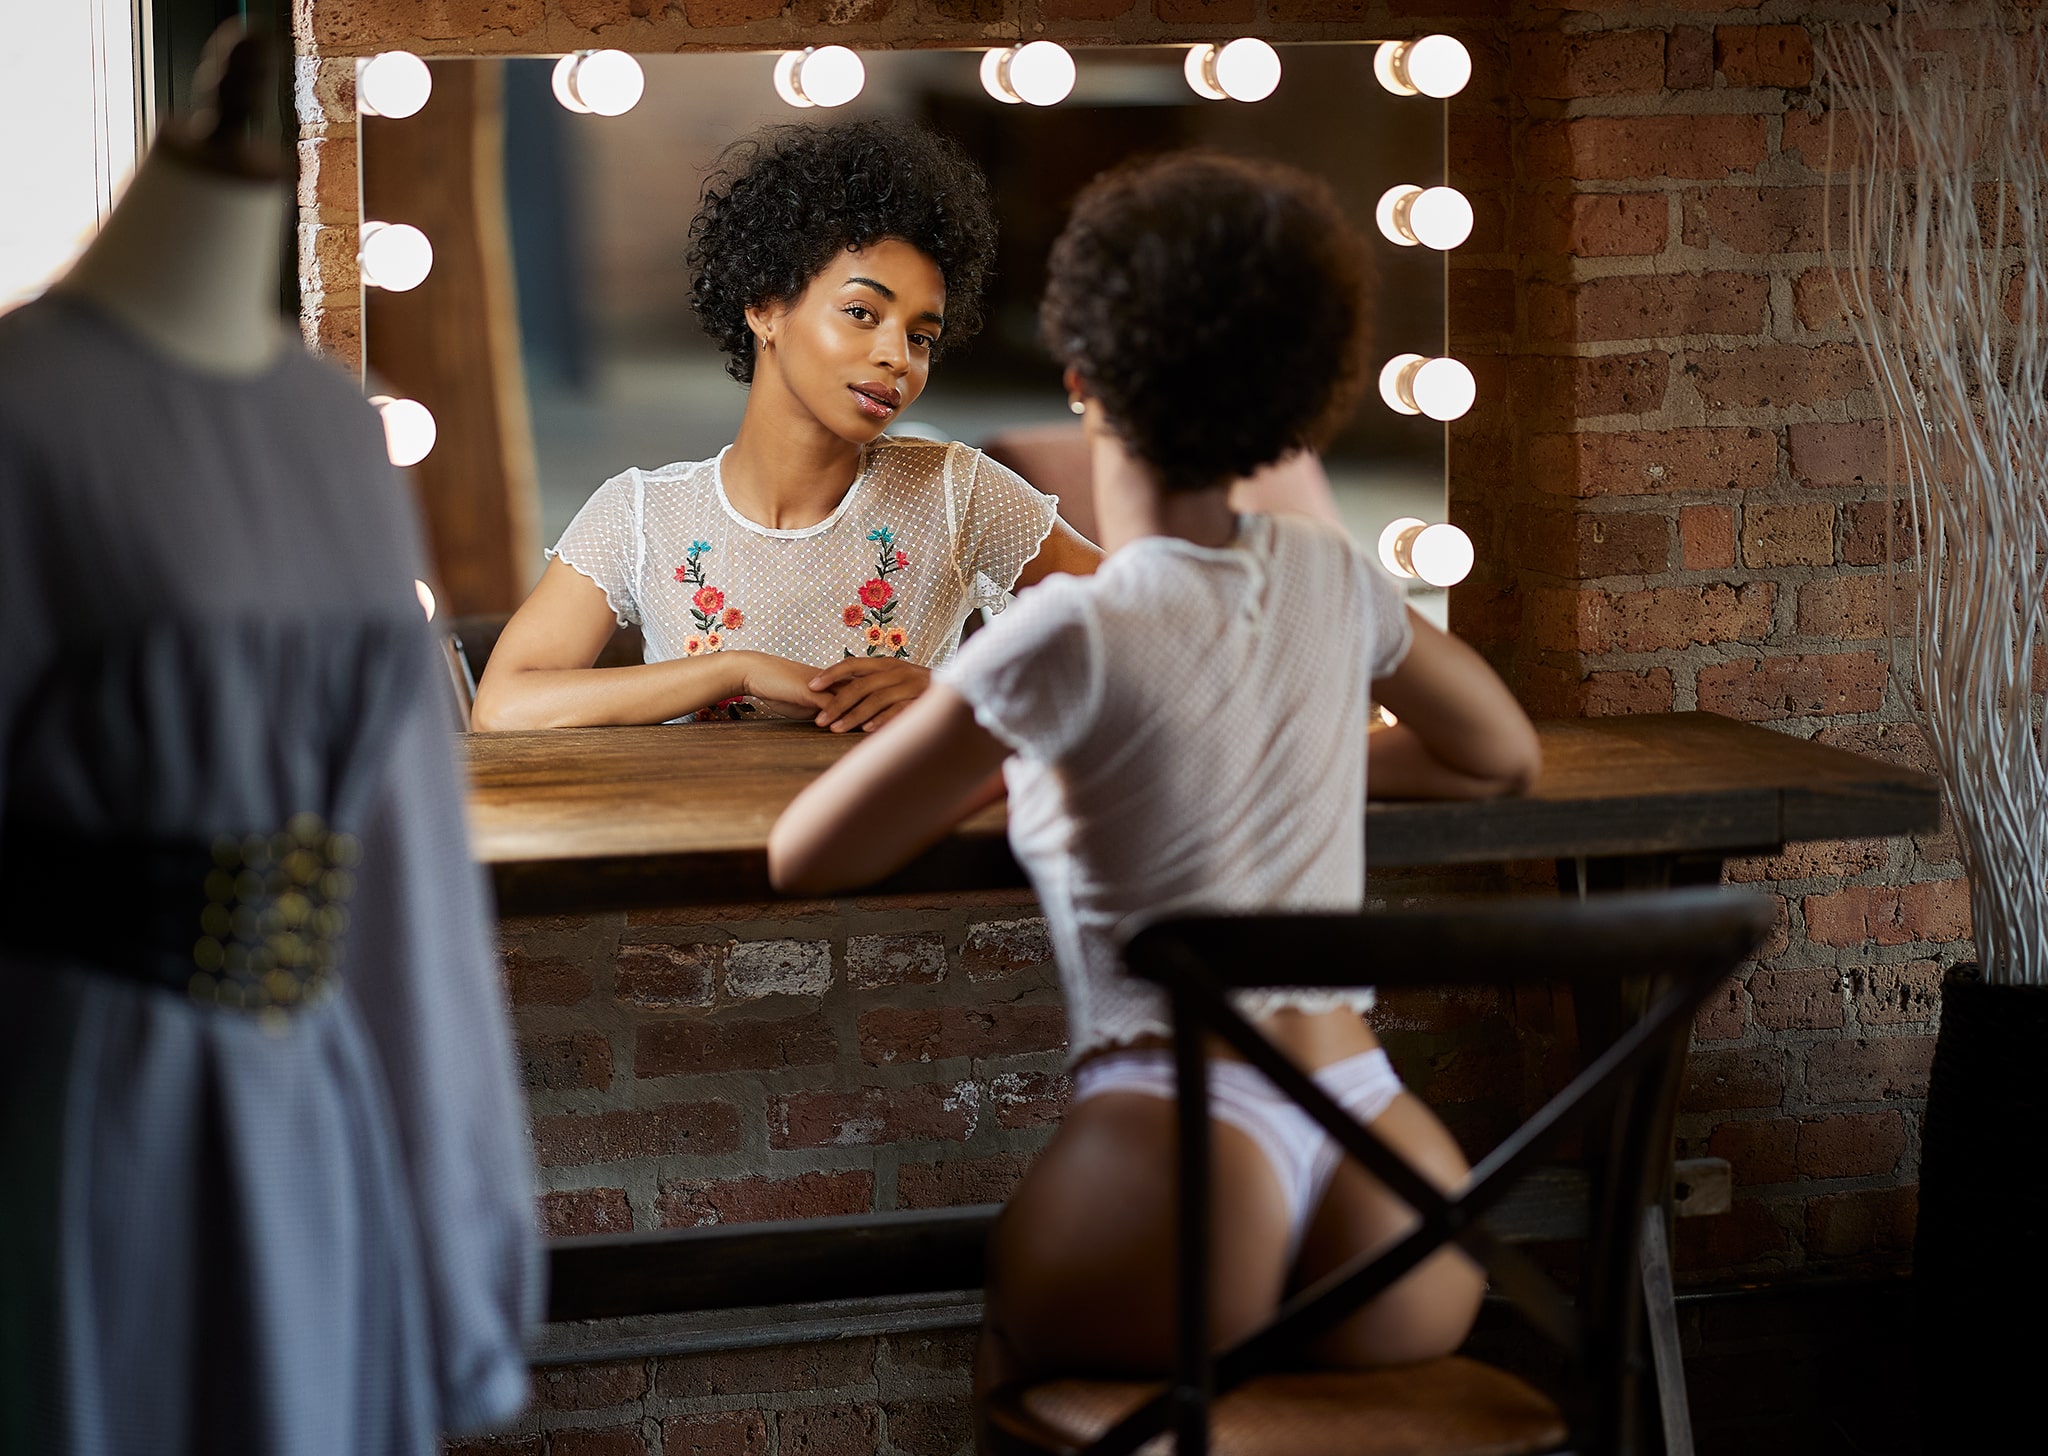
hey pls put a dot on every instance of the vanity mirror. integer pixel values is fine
(550, 343)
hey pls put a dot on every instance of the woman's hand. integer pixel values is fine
(866, 692)
(778, 682)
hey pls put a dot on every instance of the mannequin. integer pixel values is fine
(189, 259)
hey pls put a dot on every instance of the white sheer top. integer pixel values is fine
(927, 533)
(1188, 728)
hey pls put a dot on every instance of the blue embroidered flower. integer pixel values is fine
(884, 535)
(698, 548)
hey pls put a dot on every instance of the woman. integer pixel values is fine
(811, 567)
(1187, 729)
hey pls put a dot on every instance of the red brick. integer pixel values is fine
(582, 1060)
(1746, 1235)
(1579, 544)
(892, 1034)
(495, 1446)
(327, 261)
(615, 1441)
(863, 1116)
(1806, 685)
(724, 1433)
(1029, 1099)
(1595, 63)
(1851, 1145)
(544, 980)
(1902, 744)
(1819, 859)
(1776, 375)
(1933, 910)
(1798, 1000)
(1767, 221)
(1871, 1069)
(1556, 389)
(955, 1183)
(999, 949)
(1720, 1017)
(715, 14)
(697, 1202)
(1871, 1223)
(1805, 135)
(1718, 1081)
(1763, 55)
(929, 1427)
(832, 1430)
(327, 174)
(1857, 608)
(737, 1044)
(1435, 1009)
(1689, 58)
(1595, 224)
(1897, 995)
(570, 1212)
(1796, 535)
(1653, 620)
(658, 1132)
(1863, 532)
(874, 961)
(1650, 462)
(1614, 694)
(1706, 537)
(1759, 1151)
(1648, 148)
(1817, 301)
(825, 1365)
(589, 1387)
(1649, 306)
(1481, 301)
(1829, 456)
(670, 977)
(334, 333)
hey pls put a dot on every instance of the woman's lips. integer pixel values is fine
(875, 401)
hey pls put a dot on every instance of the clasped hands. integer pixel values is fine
(856, 692)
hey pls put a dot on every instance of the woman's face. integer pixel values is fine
(856, 347)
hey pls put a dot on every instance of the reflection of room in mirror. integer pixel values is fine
(617, 372)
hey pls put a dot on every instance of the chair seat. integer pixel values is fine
(1448, 1407)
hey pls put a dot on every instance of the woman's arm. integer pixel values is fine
(1064, 549)
(877, 808)
(1461, 734)
(540, 673)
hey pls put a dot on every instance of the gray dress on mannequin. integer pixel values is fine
(304, 1230)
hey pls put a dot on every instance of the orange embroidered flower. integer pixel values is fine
(877, 593)
(875, 635)
(713, 641)
(734, 620)
(692, 645)
(851, 616)
(708, 599)
(896, 637)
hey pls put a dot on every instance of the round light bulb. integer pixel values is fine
(1391, 213)
(1247, 69)
(1439, 217)
(394, 256)
(1438, 65)
(426, 595)
(609, 83)
(1394, 383)
(1041, 73)
(409, 429)
(1443, 389)
(565, 92)
(785, 79)
(828, 76)
(993, 79)
(1387, 68)
(1391, 555)
(392, 83)
(1199, 66)
(1441, 555)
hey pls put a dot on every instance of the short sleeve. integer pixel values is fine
(603, 543)
(1388, 633)
(1034, 676)
(1003, 521)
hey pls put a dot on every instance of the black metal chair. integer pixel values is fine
(1257, 1398)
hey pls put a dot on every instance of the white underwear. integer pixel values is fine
(1303, 1157)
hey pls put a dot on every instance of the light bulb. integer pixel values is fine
(565, 73)
(993, 79)
(609, 83)
(392, 83)
(1441, 554)
(1443, 389)
(1438, 217)
(1435, 65)
(394, 256)
(1394, 382)
(825, 76)
(1199, 66)
(409, 429)
(1247, 69)
(1041, 73)
(1392, 558)
(426, 595)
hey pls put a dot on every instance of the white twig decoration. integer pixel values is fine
(1945, 281)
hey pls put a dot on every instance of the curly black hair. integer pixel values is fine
(1214, 306)
(779, 204)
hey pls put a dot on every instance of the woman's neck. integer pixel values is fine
(189, 261)
(785, 470)
(1130, 504)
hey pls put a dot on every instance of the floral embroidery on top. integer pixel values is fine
(875, 613)
(708, 607)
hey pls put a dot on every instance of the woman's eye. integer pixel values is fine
(923, 341)
(858, 312)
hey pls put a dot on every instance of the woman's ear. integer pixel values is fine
(762, 319)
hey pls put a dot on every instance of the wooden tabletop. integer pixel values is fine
(586, 819)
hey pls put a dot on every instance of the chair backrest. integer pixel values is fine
(471, 639)
(1676, 946)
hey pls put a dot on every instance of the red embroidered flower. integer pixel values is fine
(692, 645)
(734, 619)
(896, 637)
(683, 574)
(713, 641)
(877, 593)
(708, 599)
(851, 616)
(902, 560)
(875, 635)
